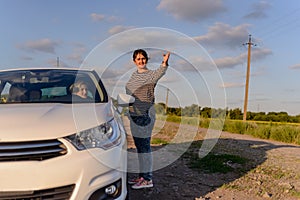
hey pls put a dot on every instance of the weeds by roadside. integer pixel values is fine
(282, 132)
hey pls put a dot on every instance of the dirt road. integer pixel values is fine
(272, 170)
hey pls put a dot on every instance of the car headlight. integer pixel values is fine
(104, 136)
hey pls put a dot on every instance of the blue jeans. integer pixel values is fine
(145, 157)
(141, 130)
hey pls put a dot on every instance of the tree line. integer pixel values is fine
(236, 113)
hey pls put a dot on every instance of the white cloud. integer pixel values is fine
(229, 62)
(28, 58)
(146, 38)
(53, 62)
(77, 53)
(260, 53)
(297, 66)
(113, 74)
(43, 45)
(97, 17)
(221, 34)
(100, 17)
(114, 18)
(258, 10)
(184, 47)
(232, 85)
(75, 57)
(192, 10)
(202, 63)
(118, 29)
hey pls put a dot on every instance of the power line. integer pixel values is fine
(281, 23)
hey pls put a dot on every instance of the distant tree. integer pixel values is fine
(283, 117)
(261, 116)
(236, 113)
(218, 113)
(205, 112)
(178, 111)
(295, 119)
(174, 111)
(250, 115)
(191, 111)
(278, 116)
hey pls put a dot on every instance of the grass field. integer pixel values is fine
(283, 132)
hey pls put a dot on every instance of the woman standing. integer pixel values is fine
(141, 85)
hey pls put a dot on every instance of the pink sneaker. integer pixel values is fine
(135, 180)
(143, 184)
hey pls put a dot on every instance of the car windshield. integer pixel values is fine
(51, 85)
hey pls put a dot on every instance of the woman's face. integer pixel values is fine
(83, 91)
(140, 61)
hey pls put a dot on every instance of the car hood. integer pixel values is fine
(23, 122)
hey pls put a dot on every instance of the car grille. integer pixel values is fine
(59, 193)
(34, 150)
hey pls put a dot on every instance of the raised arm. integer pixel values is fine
(165, 59)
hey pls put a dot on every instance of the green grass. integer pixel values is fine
(283, 132)
(295, 193)
(213, 163)
(159, 141)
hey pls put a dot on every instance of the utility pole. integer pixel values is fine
(57, 62)
(167, 98)
(249, 43)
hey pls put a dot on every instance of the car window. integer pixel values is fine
(50, 85)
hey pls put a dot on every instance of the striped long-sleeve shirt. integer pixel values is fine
(141, 86)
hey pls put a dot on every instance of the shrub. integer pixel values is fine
(263, 131)
(173, 118)
(235, 127)
(204, 122)
(285, 133)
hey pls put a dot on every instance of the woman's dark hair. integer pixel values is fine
(140, 51)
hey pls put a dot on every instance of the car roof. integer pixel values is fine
(48, 68)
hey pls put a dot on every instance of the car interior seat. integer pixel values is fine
(16, 94)
(35, 95)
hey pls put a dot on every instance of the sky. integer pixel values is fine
(208, 41)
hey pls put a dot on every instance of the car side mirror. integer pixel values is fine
(125, 100)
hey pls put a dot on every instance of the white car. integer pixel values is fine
(54, 145)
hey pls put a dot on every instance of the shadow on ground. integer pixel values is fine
(178, 181)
